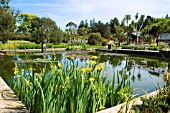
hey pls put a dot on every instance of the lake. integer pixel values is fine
(144, 72)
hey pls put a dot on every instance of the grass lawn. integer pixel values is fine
(16, 44)
(12, 44)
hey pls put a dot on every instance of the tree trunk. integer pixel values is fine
(119, 42)
(137, 39)
(157, 41)
(42, 48)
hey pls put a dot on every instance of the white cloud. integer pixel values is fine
(64, 11)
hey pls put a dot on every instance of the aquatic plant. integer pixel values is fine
(67, 87)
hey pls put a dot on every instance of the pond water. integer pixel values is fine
(144, 73)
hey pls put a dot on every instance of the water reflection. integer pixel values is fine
(167, 76)
(142, 72)
(6, 67)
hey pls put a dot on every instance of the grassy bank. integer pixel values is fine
(20, 44)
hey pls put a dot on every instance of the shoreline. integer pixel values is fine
(9, 102)
(161, 53)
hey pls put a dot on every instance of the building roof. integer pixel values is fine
(164, 36)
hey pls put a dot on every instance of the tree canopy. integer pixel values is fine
(42, 30)
(45, 30)
(7, 21)
(24, 21)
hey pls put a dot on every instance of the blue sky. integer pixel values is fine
(63, 11)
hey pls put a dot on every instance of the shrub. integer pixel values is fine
(153, 48)
(95, 39)
(84, 46)
(104, 43)
(127, 47)
(163, 45)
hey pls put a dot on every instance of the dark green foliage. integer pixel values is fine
(148, 21)
(45, 30)
(82, 31)
(95, 39)
(127, 47)
(56, 36)
(7, 22)
(103, 29)
(83, 28)
(113, 23)
(83, 24)
(119, 34)
(5, 3)
(65, 37)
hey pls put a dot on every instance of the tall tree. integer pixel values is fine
(24, 27)
(119, 34)
(139, 25)
(113, 24)
(83, 28)
(71, 30)
(103, 29)
(44, 30)
(127, 18)
(148, 21)
(56, 36)
(156, 28)
(7, 21)
(24, 21)
(5, 4)
(82, 24)
(146, 28)
(131, 29)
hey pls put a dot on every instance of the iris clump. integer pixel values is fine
(69, 88)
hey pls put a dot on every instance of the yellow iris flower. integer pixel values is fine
(59, 65)
(91, 79)
(94, 57)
